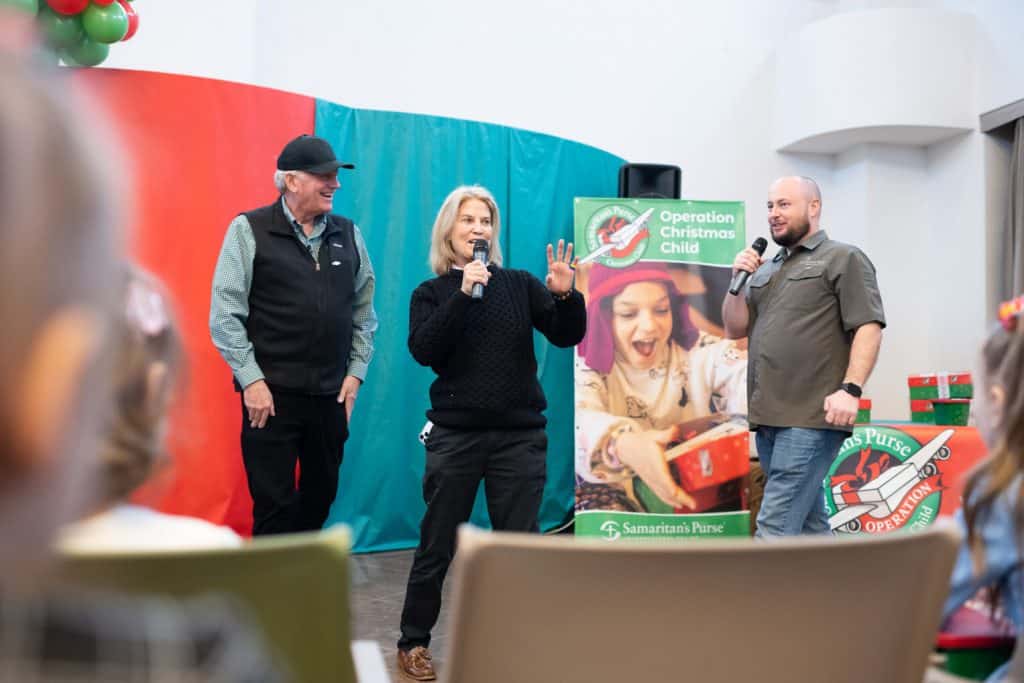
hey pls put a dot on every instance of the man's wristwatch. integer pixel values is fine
(852, 389)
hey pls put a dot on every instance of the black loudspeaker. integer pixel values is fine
(651, 181)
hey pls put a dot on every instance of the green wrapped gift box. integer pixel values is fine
(941, 385)
(864, 411)
(952, 411)
(921, 410)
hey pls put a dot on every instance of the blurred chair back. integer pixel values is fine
(539, 609)
(294, 587)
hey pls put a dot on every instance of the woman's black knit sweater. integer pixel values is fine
(482, 350)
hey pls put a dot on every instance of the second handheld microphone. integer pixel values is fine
(481, 251)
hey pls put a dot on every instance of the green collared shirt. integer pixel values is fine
(229, 301)
(805, 305)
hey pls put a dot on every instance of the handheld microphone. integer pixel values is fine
(740, 278)
(481, 250)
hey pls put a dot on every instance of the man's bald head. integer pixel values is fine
(794, 207)
(807, 188)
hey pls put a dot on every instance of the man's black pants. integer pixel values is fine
(307, 428)
(513, 466)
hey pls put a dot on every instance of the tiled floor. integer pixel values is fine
(378, 590)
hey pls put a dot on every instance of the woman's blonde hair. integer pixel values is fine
(147, 349)
(442, 254)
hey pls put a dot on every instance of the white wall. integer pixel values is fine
(688, 83)
(920, 214)
(896, 238)
(1001, 78)
(894, 75)
(956, 246)
(1001, 22)
(692, 83)
(210, 39)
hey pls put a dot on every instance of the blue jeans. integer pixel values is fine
(795, 460)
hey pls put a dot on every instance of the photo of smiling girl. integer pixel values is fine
(643, 370)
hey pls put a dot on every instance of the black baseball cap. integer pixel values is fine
(309, 153)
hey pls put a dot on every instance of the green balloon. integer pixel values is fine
(86, 52)
(105, 24)
(61, 31)
(30, 6)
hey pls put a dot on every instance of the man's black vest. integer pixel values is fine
(300, 308)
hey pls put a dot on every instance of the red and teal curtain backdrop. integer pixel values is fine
(200, 151)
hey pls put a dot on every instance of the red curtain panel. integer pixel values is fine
(196, 153)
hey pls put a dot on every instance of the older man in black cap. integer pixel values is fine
(292, 314)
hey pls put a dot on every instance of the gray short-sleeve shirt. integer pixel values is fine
(805, 306)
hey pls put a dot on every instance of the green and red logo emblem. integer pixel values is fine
(884, 480)
(617, 236)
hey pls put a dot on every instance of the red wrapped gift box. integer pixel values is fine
(711, 468)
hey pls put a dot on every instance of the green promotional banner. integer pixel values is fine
(662, 446)
(620, 232)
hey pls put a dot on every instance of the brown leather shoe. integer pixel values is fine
(416, 664)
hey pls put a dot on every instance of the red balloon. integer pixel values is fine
(103, 3)
(133, 18)
(68, 7)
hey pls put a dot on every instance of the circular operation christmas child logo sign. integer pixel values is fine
(617, 236)
(884, 480)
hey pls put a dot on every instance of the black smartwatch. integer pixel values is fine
(852, 389)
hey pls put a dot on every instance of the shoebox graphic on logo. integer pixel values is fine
(886, 491)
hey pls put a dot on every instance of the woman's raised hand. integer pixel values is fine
(559, 279)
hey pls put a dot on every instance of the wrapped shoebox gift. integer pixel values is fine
(711, 469)
(952, 411)
(941, 385)
(864, 411)
(922, 410)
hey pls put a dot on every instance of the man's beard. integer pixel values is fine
(794, 233)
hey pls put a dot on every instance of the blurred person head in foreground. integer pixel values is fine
(59, 279)
(147, 349)
(57, 275)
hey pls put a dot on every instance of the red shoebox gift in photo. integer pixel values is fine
(712, 469)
